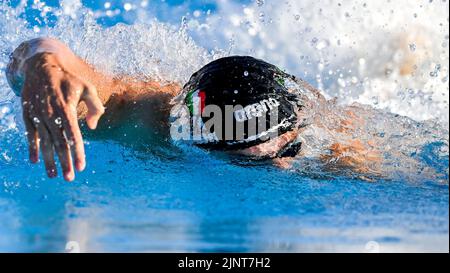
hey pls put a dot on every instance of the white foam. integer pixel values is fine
(354, 50)
(350, 49)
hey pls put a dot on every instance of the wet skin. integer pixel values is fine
(60, 89)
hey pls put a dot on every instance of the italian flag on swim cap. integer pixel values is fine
(196, 102)
(268, 107)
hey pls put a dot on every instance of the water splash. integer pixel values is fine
(176, 204)
(357, 52)
(301, 34)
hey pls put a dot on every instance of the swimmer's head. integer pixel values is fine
(236, 103)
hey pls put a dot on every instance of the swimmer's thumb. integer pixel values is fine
(94, 106)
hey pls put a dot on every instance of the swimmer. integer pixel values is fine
(259, 112)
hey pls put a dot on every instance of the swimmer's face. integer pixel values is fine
(271, 147)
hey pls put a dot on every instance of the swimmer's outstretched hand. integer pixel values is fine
(52, 82)
(53, 88)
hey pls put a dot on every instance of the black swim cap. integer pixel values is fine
(264, 106)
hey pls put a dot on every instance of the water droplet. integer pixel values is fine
(127, 6)
(236, 91)
(197, 13)
(322, 44)
(36, 120)
(246, 73)
(184, 22)
(260, 2)
(297, 17)
(375, 100)
(44, 198)
(362, 61)
(436, 71)
(261, 16)
(58, 121)
(412, 47)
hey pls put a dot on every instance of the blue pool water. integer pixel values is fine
(176, 198)
(126, 201)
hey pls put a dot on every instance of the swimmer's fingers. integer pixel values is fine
(51, 136)
(37, 133)
(94, 105)
(31, 133)
(63, 150)
(56, 115)
(73, 134)
(68, 125)
(59, 143)
(47, 150)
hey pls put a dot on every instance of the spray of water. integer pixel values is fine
(391, 55)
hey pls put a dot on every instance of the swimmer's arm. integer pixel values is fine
(57, 87)
(361, 156)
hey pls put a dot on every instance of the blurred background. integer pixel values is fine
(389, 54)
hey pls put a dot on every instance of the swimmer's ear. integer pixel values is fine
(94, 106)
